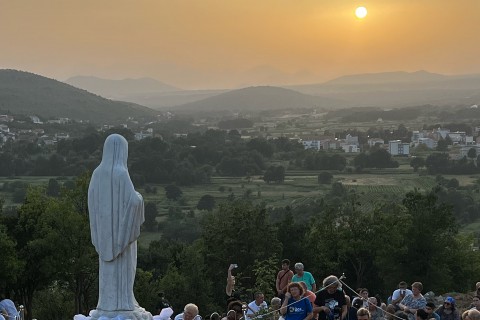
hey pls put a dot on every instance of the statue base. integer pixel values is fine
(137, 314)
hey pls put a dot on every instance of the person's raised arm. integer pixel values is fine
(230, 281)
(283, 308)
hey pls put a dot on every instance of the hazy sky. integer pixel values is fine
(232, 43)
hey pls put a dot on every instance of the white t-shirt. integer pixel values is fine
(396, 293)
(252, 307)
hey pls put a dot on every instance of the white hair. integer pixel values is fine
(299, 265)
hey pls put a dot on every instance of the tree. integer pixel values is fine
(437, 163)
(262, 146)
(36, 254)
(206, 202)
(275, 174)
(53, 188)
(325, 177)
(338, 190)
(416, 163)
(74, 258)
(172, 192)
(427, 251)
(361, 161)
(151, 213)
(442, 145)
(237, 232)
(344, 237)
(381, 158)
(472, 153)
(231, 167)
(146, 289)
(9, 263)
(188, 277)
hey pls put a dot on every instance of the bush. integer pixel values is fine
(325, 178)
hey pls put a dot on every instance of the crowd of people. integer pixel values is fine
(297, 298)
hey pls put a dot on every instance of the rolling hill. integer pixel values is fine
(30, 94)
(259, 98)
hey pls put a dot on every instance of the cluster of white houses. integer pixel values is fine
(429, 138)
(351, 145)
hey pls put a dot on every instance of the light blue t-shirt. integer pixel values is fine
(306, 277)
(9, 306)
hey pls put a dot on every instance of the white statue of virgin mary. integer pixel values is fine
(116, 212)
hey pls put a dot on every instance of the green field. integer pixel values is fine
(298, 184)
(376, 186)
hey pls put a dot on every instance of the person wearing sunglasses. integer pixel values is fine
(448, 310)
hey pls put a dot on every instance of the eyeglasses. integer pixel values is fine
(447, 303)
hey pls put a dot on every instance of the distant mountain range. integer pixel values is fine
(259, 98)
(23, 92)
(388, 89)
(398, 89)
(386, 77)
(31, 94)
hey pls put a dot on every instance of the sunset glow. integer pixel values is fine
(361, 12)
(212, 44)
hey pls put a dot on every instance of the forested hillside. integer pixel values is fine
(31, 94)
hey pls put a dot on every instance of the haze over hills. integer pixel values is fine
(388, 89)
(386, 77)
(118, 89)
(159, 100)
(144, 91)
(260, 98)
(30, 94)
(397, 89)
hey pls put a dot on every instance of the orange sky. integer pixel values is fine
(232, 43)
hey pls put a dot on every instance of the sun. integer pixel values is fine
(361, 12)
